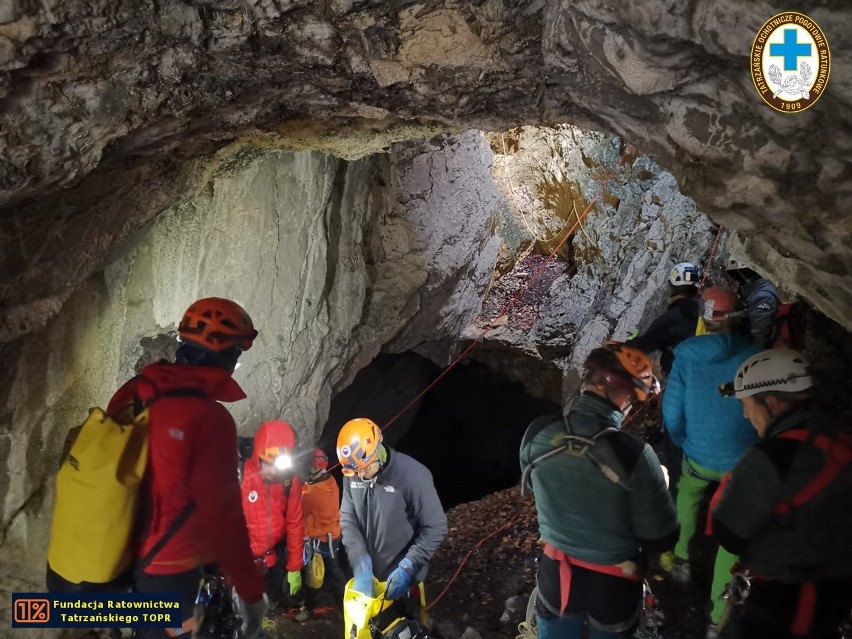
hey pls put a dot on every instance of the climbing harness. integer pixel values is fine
(651, 619)
(216, 610)
(738, 589)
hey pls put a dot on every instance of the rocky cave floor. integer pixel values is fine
(488, 598)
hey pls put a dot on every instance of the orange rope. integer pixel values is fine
(467, 556)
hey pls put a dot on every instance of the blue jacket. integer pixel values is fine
(711, 429)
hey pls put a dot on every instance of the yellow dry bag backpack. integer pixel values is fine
(379, 618)
(94, 514)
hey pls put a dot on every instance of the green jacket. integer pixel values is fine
(580, 510)
(815, 541)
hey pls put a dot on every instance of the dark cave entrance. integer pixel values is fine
(466, 430)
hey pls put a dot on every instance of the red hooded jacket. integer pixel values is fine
(192, 455)
(272, 511)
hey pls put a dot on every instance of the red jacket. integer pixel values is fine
(192, 455)
(272, 515)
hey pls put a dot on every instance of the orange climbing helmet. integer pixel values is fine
(358, 445)
(624, 367)
(274, 443)
(217, 324)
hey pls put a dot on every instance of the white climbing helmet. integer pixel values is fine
(684, 274)
(778, 369)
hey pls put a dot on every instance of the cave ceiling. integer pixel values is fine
(112, 110)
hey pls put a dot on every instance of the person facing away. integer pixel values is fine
(391, 517)
(712, 433)
(601, 501)
(192, 458)
(321, 509)
(272, 503)
(678, 321)
(787, 509)
(761, 303)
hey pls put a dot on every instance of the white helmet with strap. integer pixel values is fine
(778, 369)
(684, 274)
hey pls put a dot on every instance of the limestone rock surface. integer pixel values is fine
(335, 260)
(108, 108)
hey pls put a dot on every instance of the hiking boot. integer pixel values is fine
(302, 615)
(677, 568)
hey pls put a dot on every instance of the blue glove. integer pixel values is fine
(364, 582)
(399, 581)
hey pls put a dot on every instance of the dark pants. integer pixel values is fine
(183, 583)
(335, 580)
(771, 609)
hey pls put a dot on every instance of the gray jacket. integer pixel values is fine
(397, 515)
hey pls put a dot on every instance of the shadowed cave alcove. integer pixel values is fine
(466, 429)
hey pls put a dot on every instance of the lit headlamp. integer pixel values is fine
(282, 462)
(280, 458)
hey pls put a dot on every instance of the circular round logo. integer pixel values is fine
(252, 496)
(790, 62)
(344, 450)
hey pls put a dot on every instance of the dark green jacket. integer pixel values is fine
(580, 510)
(815, 542)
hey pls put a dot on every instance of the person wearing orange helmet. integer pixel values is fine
(712, 433)
(601, 501)
(272, 503)
(321, 509)
(390, 516)
(191, 476)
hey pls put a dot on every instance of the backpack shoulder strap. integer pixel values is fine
(139, 407)
(535, 427)
(839, 451)
(176, 525)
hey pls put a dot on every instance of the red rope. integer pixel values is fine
(710, 258)
(504, 311)
(466, 557)
(508, 307)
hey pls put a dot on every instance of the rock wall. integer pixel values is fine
(608, 278)
(334, 260)
(109, 106)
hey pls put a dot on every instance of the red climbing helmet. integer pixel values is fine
(320, 461)
(217, 324)
(720, 305)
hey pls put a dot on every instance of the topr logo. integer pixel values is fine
(790, 62)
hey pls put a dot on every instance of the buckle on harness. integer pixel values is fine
(738, 589)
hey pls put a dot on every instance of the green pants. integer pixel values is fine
(691, 489)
